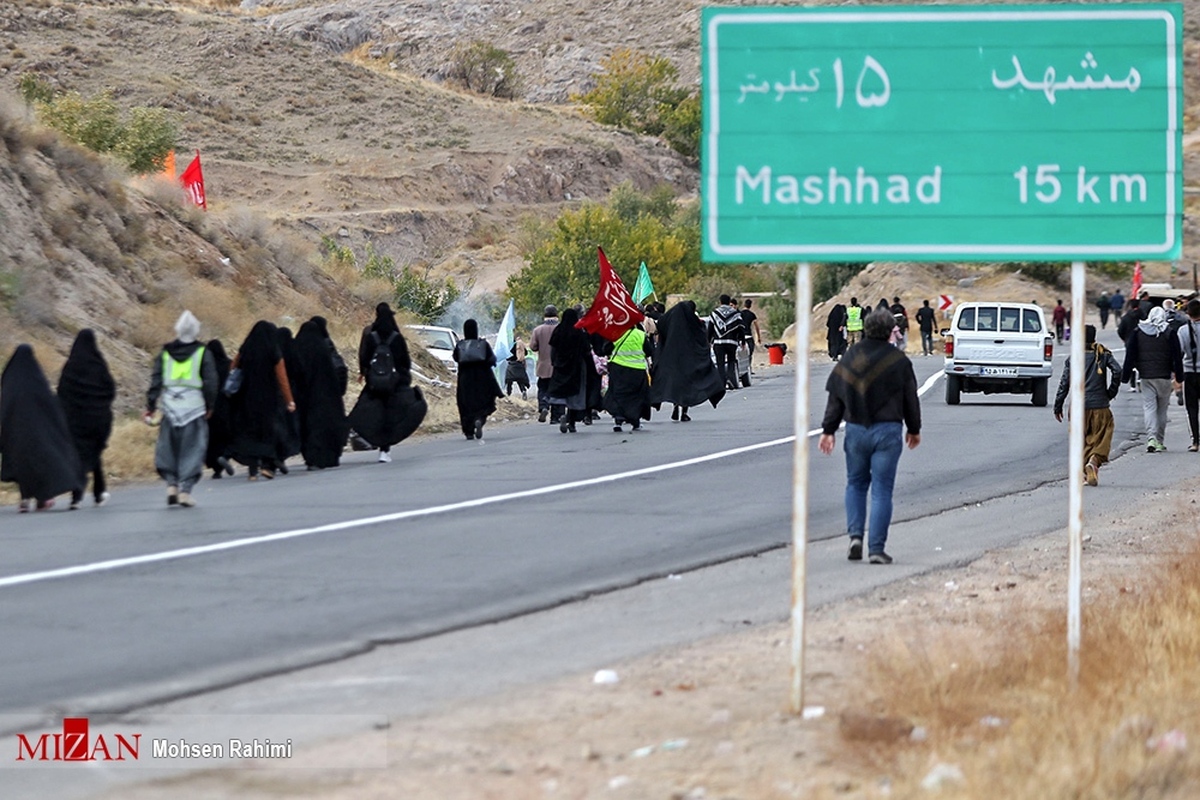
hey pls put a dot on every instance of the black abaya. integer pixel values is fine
(36, 448)
(683, 372)
(319, 406)
(86, 390)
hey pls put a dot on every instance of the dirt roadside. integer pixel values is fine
(710, 719)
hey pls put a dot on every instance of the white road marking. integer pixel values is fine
(233, 544)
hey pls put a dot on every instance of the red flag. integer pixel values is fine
(193, 182)
(1137, 280)
(613, 311)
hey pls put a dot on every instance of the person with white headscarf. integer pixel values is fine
(183, 385)
(1155, 354)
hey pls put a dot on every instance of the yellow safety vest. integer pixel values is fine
(854, 318)
(182, 399)
(628, 352)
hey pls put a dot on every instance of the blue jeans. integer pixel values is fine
(872, 454)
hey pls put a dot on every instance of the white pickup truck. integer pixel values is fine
(996, 347)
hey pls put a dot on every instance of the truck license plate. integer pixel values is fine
(1010, 372)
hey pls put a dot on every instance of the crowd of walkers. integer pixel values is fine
(278, 395)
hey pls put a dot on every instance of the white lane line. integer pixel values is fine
(233, 544)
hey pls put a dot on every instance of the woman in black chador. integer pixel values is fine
(259, 407)
(320, 409)
(571, 356)
(86, 390)
(36, 449)
(835, 331)
(216, 455)
(289, 442)
(387, 414)
(477, 388)
(683, 371)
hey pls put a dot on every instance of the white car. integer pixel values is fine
(438, 341)
(998, 347)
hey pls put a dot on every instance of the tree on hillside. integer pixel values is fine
(631, 228)
(637, 92)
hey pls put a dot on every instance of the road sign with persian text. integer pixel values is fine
(972, 133)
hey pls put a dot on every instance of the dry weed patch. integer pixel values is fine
(993, 698)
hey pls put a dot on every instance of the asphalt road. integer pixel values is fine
(114, 608)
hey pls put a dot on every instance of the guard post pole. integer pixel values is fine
(800, 482)
(1075, 502)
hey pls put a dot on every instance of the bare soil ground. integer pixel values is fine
(711, 719)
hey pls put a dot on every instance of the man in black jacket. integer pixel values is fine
(875, 389)
(1154, 352)
(1101, 384)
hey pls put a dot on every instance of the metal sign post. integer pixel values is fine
(800, 483)
(1075, 461)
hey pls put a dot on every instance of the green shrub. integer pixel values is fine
(35, 89)
(682, 126)
(92, 122)
(141, 143)
(636, 91)
(486, 69)
(411, 288)
(147, 138)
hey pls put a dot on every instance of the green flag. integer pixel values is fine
(643, 288)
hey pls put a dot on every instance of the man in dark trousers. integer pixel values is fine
(1189, 347)
(1154, 352)
(726, 329)
(925, 321)
(1102, 381)
(539, 342)
(1060, 321)
(874, 389)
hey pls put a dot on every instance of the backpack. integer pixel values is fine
(381, 372)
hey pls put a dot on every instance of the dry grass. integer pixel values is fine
(130, 453)
(995, 701)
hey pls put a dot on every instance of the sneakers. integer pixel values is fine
(1193, 447)
(1091, 475)
(23, 508)
(563, 425)
(224, 464)
(479, 429)
(186, 500)
(855, 553)
(879, 558)
(1155, 446)
(172, 495)
(103, 498)
(75, 504)
(385, 457)
(542, 416)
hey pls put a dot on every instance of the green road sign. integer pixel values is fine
(973, 133)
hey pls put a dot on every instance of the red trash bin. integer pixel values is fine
(775, 353)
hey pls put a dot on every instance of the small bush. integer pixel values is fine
(636, 92)
(35, 89)
(486, 69)
(141, 143)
